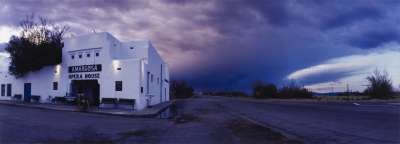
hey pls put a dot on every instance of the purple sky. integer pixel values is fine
(228, 44)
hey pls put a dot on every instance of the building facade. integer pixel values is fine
(100, 67)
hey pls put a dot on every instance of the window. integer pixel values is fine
(131, 48)
(151, 78)
(97, 54)
(88, 55)
(80, 55)
(72, 56)
(141, 89)
(8, 89)
(148, 82)
(3, 89)
(55, 85)
(118, 85)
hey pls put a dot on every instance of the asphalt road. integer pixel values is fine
(211, 120)
(324, 122)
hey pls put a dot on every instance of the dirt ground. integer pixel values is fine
(195, 121)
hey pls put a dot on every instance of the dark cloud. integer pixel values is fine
(345, 18)
(374, 39)
(275, 12)
(228, 44)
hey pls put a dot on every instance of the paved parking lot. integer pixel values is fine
(198, 121)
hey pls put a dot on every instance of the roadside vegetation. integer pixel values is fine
(380, 85)
(261, 90)
(39, 44)
(179, 89)
(291, 91)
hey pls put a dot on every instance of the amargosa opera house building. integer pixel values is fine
(100, 67)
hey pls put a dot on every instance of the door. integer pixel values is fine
(27, 92)
(89, 88)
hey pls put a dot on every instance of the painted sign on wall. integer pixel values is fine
(84, 68)
(79, 72)
(84, 76)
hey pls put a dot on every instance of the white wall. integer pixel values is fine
(41, 83)
(157, 67)
(134, 64)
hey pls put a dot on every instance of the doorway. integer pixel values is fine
(27, 92)
(89, 88)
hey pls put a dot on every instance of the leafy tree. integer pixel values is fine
(261, 90)
(180, 89)
(39, 44)
(380, 85)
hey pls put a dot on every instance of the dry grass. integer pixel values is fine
(252, 133)
(354, 98)
(341, 98)
(184, 118)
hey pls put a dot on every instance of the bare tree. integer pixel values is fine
(39, 44)
(380, 85)
(43, 30)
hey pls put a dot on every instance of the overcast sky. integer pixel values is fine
(228, 44)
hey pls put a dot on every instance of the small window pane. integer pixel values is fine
(3, 90)
(97, 54)
(118, 85)
(8, 89)
(87, 55)
(72, 56)
(55, 85)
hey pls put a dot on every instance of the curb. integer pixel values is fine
(91, 112)
(37, 107)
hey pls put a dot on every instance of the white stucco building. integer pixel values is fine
(99, 66)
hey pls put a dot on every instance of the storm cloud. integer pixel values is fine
(228, 44)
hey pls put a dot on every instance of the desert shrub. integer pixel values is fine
(380, 85)
(180, 89)
(294, 91)
(261, 90)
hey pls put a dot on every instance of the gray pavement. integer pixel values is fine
(212, 120)
(324, 122)
(29, 125)
(198, 121)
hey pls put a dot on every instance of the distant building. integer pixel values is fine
(100, 67)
